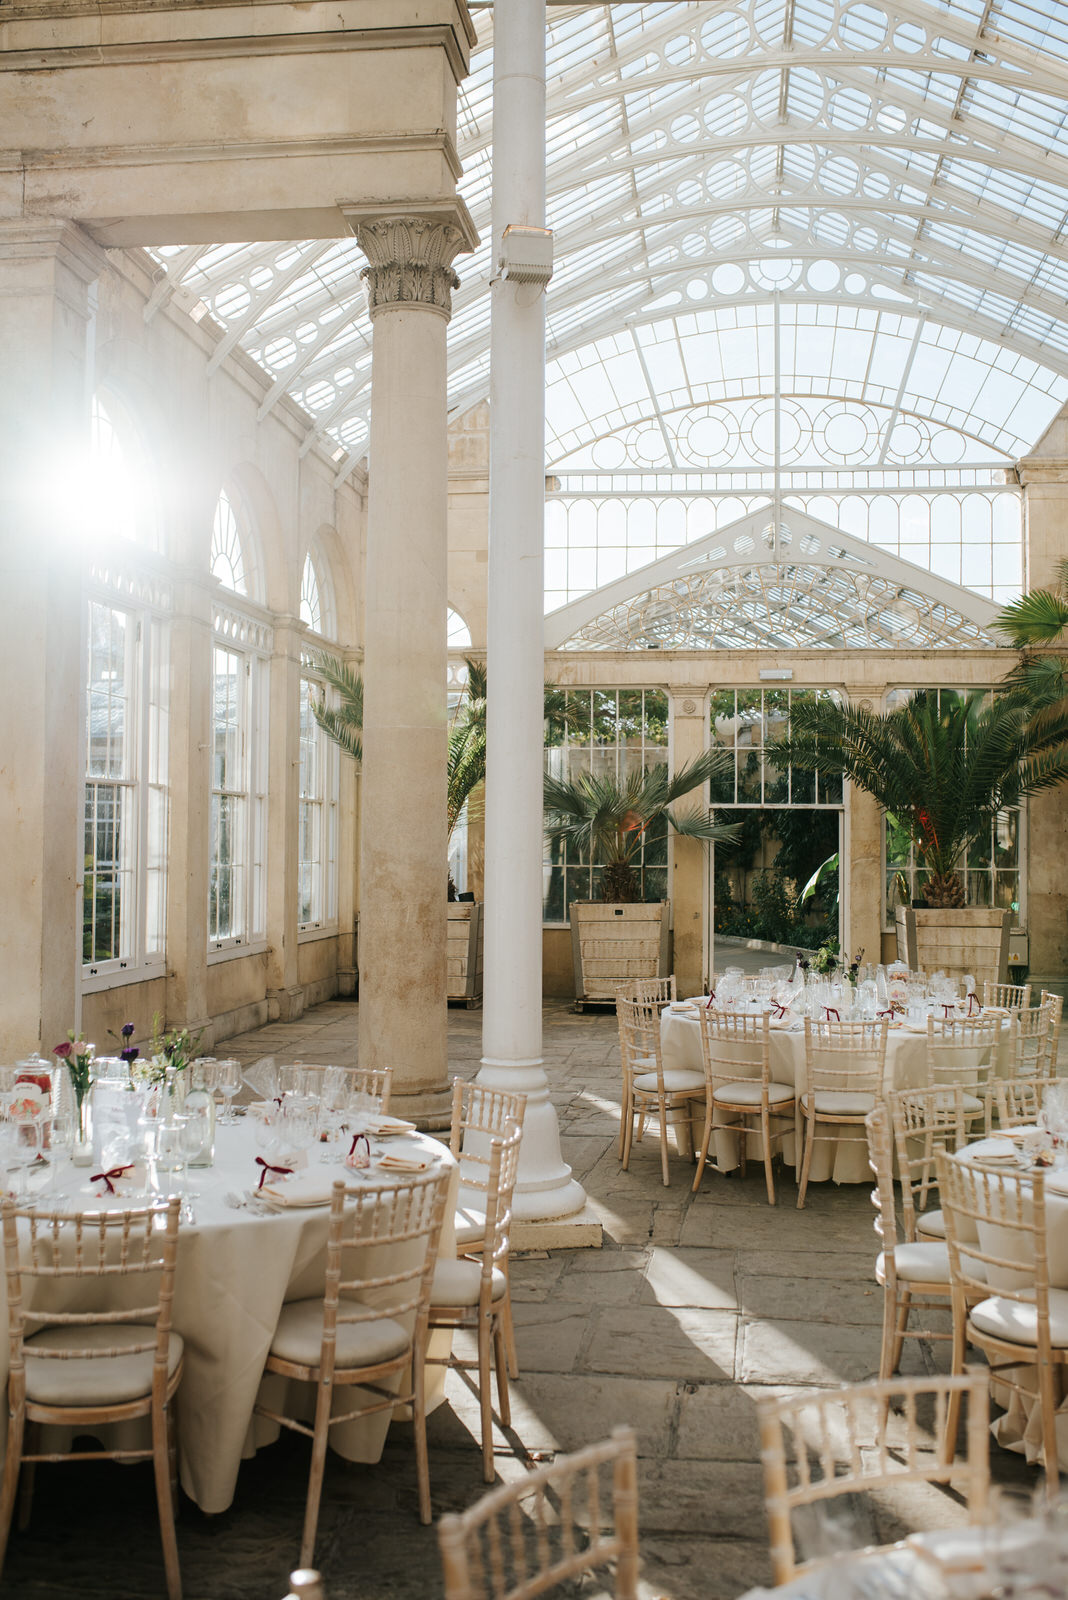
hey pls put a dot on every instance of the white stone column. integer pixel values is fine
(515, 653)
(689, 857)
(403, 855)
(46, 269)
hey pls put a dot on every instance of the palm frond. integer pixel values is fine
(337, 728)
(698, 824)
(1038, 617)
(344, 722)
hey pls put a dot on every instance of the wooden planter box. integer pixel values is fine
(972, 939)
(464, 952)
(612, 943)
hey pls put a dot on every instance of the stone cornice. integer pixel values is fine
(1033, 469)
(30, 238)
(46, 57)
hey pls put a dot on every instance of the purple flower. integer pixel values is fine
(127, 1030)
(63, 1050)
(130, 1054)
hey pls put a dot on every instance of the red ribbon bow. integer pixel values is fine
(947, 1011)
(973, 1001)
(830, 1012)
(355, 1141)
(283, 1172)
(887, 1013)
(711, 997)
(779, 1009)
(114, 1172)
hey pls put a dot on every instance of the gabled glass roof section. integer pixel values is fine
(774, 580)
(880, 162)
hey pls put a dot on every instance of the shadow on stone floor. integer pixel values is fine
(695, 1306)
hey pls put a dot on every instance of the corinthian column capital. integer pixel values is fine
(410, 262)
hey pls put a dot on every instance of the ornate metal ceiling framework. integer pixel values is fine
(774, 581)
(902, 168)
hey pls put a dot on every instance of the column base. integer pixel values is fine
(286, 1005)
(429, 1109)
(582, 1231)
(545, 1188)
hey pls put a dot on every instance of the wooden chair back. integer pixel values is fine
(881, 1160)
(1010, 996)
(849, 1441)
(367, 1278)
(1032, 1030)
(650, 991)
(374, 1081)
(1019, 1101)
(1007, 1257)
(480, 1115)
(99, 1248)
(921, 1120)
(1056, 1010)
(503, 1171)
(639, 1036)
(847, 1057)
(734, 1046)
(552, 1525)
(960, 1050)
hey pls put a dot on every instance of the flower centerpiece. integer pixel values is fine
(78, 1056)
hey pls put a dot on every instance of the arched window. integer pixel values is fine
(458, 633)
(117, 499)
(228, 558)
(316, 596)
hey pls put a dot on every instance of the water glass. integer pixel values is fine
(228, 1082)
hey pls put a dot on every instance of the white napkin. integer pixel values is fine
(381, 1125)
(130, 1181)
(399, 1163)
(314, 1188)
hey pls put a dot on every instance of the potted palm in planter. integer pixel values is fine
(942, 770)
(621, 937)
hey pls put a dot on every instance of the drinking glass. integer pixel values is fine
(228, 1083)
(194, 1131)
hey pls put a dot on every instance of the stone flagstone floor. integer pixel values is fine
(694, 1307)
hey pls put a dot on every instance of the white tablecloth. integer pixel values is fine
(236, 1268)
(844, 1160)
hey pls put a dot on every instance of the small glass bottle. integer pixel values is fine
(200, 1102)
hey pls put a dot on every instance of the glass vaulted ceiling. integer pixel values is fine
(793, 199)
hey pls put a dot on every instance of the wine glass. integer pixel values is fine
(193, 1134)
(228, 1083)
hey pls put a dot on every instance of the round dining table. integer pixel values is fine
(238, 1263)
(844, 1159)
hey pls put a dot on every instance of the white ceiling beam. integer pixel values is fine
(237, 330)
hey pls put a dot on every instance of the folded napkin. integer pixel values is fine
(303, 1189)
(396, 1163)
(381, 1125)
(125, 1177)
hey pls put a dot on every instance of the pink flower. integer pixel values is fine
(63, 1050)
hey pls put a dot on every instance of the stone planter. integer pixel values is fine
(613, 943)
(464, 952)
(971, 939)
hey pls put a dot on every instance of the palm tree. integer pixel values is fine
(1039, 618)
(607, 821)
(943, 768)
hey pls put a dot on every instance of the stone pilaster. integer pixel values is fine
(284, 991)
(46, 270)
(403, 853)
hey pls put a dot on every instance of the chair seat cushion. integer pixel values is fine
(917, 1263)
(747, 1092)
(456, 1283)
(470, 1226)
(95, 1380)
(839, 1102)
(298, 1337)
(1017, 1322)
(931, 1223)
(677, 1080)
